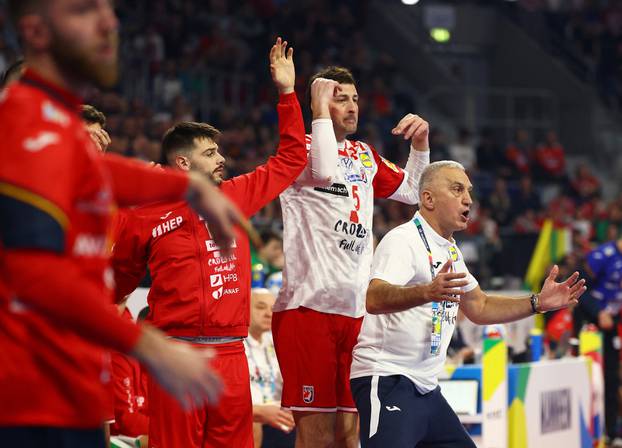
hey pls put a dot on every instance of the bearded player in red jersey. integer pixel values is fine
(57, 194)
(199, 294)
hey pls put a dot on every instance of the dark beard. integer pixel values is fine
(76, 64)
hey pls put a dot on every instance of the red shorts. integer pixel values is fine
(315, 353)
(229, 424)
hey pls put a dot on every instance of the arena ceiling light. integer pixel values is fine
(410, 2)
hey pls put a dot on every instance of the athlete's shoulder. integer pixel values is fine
(26, 111)
(19, 103)
(362, 145)
(158, 210)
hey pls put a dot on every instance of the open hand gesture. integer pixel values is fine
(282, 66)
(415, 128)
(559, 295)
(447, 285)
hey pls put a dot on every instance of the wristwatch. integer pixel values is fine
(535, 300)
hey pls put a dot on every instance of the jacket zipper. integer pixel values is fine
(195, 223)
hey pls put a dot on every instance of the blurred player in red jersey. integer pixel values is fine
(131, 417)
(327, 218)
(198, 293)
(57, 194)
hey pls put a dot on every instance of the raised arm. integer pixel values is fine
(484, 309)
(323, 152)
(254, 190)
(416, 129)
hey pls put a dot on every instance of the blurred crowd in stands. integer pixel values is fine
(589, 33)
(171, 48)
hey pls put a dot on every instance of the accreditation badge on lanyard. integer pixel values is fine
(438, 308)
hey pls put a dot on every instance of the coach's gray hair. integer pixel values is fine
(430, 171)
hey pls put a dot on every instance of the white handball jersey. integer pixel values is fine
(399, 343)
(327, 236)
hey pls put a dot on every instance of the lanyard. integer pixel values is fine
(263, 382)
(427, 246)
(438, 309)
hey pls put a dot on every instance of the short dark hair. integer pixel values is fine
(12, 72)
(340, 74)
(91, 115)
(181, 137)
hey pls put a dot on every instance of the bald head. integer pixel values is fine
(262, 301)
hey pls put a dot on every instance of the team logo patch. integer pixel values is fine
(390, 165)
(308, 394)
(40, 141)
(346, 163)
(53, 114)
(453, 253)
(366, 160)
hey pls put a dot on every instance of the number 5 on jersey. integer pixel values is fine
(354, 215)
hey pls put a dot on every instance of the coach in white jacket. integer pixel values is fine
(419, 280)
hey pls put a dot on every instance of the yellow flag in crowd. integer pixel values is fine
(552, 245)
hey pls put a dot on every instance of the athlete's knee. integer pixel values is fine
(315, 430)
(350, 440)
(346, 431)
(315, 439)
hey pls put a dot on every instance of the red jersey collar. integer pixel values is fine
(63, 96)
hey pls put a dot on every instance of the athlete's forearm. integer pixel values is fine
(252, 191)
(323, 154)
(496, 309)
(54, 287)
(383, 297)
(292, 148)
(136, 183)
(408, 192)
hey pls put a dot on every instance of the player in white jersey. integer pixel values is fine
(327, 217)
(419, 280)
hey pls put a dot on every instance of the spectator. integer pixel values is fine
(488, 152)
(462, 150)
(585, 185)
(499, 202)
(438, 141)
(272, 427)
(528, 222)
(518, 156)
(561, 209)
(270, 255)
(550, 160)
(526, 197)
